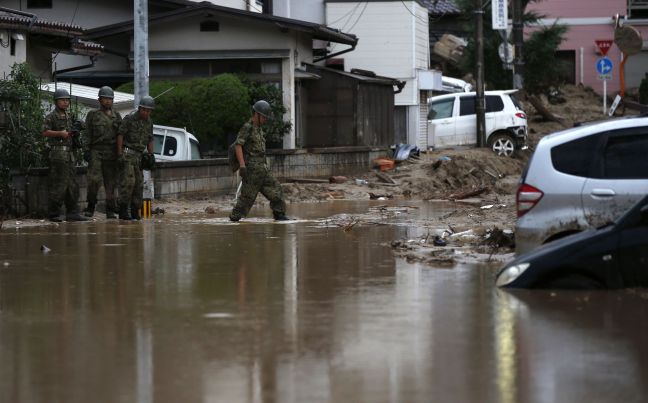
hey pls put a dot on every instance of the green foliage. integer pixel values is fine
(21, 143)
(643, 90)
(542, 70)
(214, 108)
(275, 128)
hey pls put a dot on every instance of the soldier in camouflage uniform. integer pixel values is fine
(134, 137)
(62, 179)
(101, 133)
(250, 153)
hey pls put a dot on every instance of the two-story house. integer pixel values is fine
(589, 20)
(394, 41)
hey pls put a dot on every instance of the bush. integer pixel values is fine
(643, 90)
(21, 143)
(214, 108)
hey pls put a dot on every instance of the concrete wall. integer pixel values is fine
(213, 176)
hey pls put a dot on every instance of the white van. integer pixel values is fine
(174, 144)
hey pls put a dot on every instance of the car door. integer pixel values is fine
(620, 177)
(466, 121)
(442, 122)
(633, 248)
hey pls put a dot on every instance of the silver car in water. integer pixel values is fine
(581, 178)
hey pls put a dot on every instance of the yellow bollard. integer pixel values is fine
(146, 209)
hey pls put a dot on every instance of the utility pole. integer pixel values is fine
(140, 39)
(518, 40)
(480, 107)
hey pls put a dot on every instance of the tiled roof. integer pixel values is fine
(9, 21)
(441, 7)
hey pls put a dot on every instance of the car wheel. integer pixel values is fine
(503, 144)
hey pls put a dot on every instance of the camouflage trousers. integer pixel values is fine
(62, 182)
(102, 168)
(259, 179)
(131, 182)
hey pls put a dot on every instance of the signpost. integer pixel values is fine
(604, 66)
(604, 70)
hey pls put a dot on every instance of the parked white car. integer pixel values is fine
(581, 178)
(452, 121)
(174, 144)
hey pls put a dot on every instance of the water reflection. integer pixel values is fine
(177, 310)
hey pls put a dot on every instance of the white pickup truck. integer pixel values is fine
(174, 144)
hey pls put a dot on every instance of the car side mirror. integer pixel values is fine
(431, 114)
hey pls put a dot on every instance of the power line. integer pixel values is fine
(358, 19)
(414, 15)
(345, 15)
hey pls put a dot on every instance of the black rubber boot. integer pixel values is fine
(123, 213)
(89, 211)
(55, 217)
(135, 215)
(75, 217)
(111, 209)
(281, 217)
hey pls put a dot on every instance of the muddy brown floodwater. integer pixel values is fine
(195, 309)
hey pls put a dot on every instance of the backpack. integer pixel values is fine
(231, 157)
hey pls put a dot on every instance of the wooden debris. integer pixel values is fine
(466, 194)
(338, 179)
(306, 180)
(542, 110)
(385, 178)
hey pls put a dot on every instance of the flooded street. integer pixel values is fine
(195, 309)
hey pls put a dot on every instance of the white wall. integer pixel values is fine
(393, 40)
(6, 59)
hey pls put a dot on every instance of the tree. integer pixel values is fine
(215, 108)
(21, 120)
(541, 71)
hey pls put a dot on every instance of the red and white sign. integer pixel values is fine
(604, 45)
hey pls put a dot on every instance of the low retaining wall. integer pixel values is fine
(209, 176)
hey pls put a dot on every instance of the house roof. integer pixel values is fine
(9, 20)
(442, 7)
(21, 21)
(318, 31)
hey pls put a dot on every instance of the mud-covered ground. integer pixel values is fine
(481, 185)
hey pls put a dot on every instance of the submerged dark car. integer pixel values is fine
(613, 256)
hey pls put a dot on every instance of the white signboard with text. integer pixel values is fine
(500, 14)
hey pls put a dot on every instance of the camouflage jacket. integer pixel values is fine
(252, 139)
(137, 132)
(101, 129)
(56, 122)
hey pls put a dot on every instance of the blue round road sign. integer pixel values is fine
(604, 66)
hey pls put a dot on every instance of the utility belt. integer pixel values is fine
(130, 151)
(61, 148)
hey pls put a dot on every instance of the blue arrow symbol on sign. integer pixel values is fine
(604, 66)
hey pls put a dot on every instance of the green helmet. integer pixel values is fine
(262, 108)
(106, 92)
(147, 102)
(61, 93)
